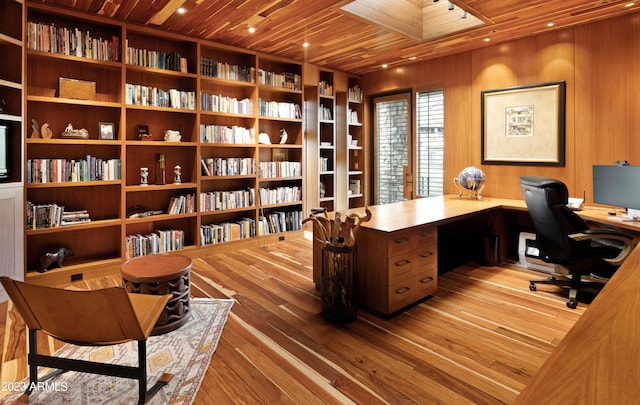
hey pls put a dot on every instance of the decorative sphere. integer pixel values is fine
(471, 178)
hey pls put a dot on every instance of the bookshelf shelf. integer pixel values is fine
(144, 61)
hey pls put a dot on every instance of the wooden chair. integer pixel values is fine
(88, 318)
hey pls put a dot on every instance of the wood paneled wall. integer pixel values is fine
(597, 61)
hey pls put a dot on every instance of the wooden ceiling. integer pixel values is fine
(340, 40)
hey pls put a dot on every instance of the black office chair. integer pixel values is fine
(583, 258)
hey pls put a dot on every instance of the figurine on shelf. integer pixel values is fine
(171, 135)
(283, 136)
(36, 128)
(54, 256)
(144, 176)
(71, 133)
(176, 174)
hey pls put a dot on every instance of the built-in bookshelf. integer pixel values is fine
(204, 145)
(355, 145)
(321, 126)
(11, 132)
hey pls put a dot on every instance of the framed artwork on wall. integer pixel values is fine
(524, 125)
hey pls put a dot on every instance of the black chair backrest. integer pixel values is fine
(553, 221)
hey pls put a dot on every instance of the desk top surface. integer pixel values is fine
(431, 210)
(440, 209)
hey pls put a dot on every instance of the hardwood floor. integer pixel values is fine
(478, 340)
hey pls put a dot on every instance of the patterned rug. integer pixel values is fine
(185, 353)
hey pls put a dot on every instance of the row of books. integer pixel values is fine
(280, 195)
(182, 204)
(280, 221)
(275, 222)
(156, 242)
(227, 232)
(354, 93)
(224, 104)
(226, 200)
(223, 70)
(279, 109)
(292, 81)
(156, 59)
(224, 134)
(71, 41)
(41, 216)
(324, 113)
(90, 168)
(137, 94)
(352, 115)
(324, 88)
(272, 170)
(232, 166)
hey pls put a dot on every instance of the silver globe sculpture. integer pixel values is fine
(470, 181)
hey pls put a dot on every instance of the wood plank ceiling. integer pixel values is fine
(340, 40)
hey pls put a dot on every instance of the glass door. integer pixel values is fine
(392, 152)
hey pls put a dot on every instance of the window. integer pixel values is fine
(429, 143)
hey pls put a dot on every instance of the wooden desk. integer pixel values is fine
(397, 256)
(598, 361)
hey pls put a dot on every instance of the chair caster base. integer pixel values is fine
(572, 304)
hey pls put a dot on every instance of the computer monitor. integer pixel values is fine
(617, 186)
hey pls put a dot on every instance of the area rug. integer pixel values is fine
(185, 353)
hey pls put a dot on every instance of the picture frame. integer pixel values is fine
(279, 155)
(106, 131)
(524, 125)
(143, 131)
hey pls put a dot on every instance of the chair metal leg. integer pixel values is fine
(142, 371)
(33, 365)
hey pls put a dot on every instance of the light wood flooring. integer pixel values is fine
(479, 339)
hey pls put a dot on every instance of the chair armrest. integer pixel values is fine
(610, 234)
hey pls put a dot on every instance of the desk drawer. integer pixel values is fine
(426, 259)
(426, 283)
(401, 243)
(400, 295)
(427, 235)
(401, 268)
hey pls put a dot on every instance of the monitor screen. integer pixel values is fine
(617, 186)
(4, 150)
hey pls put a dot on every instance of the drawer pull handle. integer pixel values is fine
(402, 290)
(428, 254)
(426, 280)
(426, 234)
(402, 240)
(402, 263)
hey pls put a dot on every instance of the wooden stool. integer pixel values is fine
(157, 275)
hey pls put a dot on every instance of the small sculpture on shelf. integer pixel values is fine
(71, 133)
(177, 173)
(171, 135)
(283, 136)
(54, 256)
(144, 176)
(264, 139)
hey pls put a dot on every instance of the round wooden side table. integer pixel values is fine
(160, 274)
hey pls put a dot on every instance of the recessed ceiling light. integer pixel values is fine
(412, 57)
(629, 4)
(252, 30)
(305, 44)
(181, 10)
(384, 66)
(550, 24)
(487, 39)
